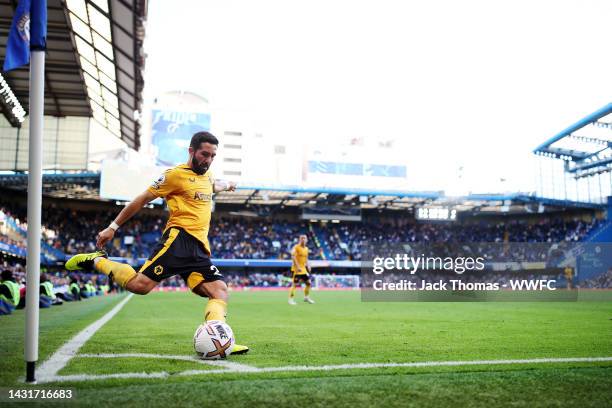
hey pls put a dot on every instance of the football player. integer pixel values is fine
(184, 248)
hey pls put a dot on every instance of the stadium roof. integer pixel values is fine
(86, 185)
(62, 185)
(94, 62)
(585, 146)
(294, 196)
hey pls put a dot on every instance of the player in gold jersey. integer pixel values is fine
(184, 249)
(569, 277)
(300, 270)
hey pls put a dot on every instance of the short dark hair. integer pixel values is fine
(203, 137)
(7, 274)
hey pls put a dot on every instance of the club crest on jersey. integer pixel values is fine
(200, 196)
(157, 183)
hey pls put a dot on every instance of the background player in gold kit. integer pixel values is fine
(569, 277)
(184, 249)
(300, 270)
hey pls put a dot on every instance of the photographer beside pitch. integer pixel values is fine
(184, 248)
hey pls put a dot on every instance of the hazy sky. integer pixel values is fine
(472, 84)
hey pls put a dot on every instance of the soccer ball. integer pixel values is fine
(213, 340)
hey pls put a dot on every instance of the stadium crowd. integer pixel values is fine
(69, 231)
(349, 240)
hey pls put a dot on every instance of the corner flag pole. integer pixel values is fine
(38, 34)
(28, 38)
(37, 100)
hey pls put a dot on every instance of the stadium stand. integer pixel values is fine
(239, 243)
(71, 231)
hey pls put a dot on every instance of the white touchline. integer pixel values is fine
(247, 369)
(49, 369)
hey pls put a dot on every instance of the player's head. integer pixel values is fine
(303, 240)
(7, 275)
(202, 151)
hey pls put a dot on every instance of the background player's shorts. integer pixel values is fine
(179, 253)
(301, 278)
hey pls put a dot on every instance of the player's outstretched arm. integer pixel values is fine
(128, 212)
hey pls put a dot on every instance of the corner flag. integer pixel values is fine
(28, 35)
(28, 31)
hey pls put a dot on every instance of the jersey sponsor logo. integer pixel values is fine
(200, 196)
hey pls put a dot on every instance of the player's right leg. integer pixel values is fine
(151, 273)
(121, 273)
(141, 284)
(292, 290)
(306, 280)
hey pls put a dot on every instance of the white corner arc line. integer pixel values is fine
(58, 360)
(230, 365)
(419, 364)
(247, 369)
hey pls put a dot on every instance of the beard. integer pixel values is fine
(199, 168)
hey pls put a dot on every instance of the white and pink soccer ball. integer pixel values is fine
(213, 340)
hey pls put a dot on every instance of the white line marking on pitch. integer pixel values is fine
(248, 369)
(49, 369)
(215, 363)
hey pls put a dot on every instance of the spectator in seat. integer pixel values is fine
(9, 293)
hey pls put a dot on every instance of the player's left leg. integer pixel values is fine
(216, 292)
(307, 298)
(216, 308)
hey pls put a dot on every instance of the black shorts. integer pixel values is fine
(305, 278)
(180, 253)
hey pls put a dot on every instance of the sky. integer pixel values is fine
(471, 85)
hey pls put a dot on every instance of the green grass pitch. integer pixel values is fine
(338, 329)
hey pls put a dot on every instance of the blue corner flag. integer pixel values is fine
(28, 31)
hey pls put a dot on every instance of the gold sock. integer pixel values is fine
(307, 290)
(216, 309)
(119, 272)
(292, 290)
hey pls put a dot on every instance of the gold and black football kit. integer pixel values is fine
(300, 253)
(184, 248)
